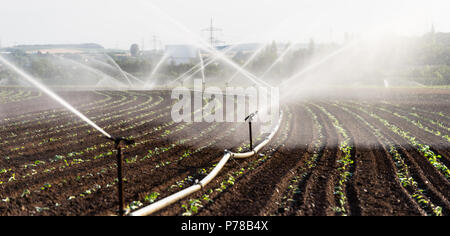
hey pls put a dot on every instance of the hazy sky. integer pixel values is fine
(119, 23)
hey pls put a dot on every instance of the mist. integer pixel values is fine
(292, 107)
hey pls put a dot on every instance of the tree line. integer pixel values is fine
(425, 60)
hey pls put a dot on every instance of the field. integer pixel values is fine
(365, 152)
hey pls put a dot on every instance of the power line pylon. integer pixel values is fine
(155, 40)
(212, 38)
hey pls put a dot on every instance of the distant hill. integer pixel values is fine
(57, 48)
(49, 46)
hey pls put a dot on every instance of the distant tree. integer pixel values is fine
(240, 58)
(134, 50)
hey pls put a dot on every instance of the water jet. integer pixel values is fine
(53, 95)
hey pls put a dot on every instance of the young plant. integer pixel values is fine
(192, 207)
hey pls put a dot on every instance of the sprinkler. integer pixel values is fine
(250, 119)
(119, 144)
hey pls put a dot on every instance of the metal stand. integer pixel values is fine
(120, 143)
(250, 131)
(250, 119)
(120, 180)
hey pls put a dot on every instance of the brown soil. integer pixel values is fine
(291, 176)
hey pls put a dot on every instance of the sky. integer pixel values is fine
(120, 23)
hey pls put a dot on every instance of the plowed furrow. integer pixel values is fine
(425, 174)
(374, 177)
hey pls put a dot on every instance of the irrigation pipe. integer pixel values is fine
(163, 203)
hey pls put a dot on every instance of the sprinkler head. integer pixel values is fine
(251, 116)
(121, 141)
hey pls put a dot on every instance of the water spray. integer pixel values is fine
(91, 69)
(119, 143)
(185, 74)
(203, 72)
(249, 60)
(158, 65)
(208, 47)
(278, 60)
(128, 75)
(53, 95)
(118, 67)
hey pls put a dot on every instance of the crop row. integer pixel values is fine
(104, 169)
(55, 115)
(417, 123)
(440, 113)
(425, 116)
(133, 160)
(51, 131)
(403, 174)
(75, 156)
(344, 163)
(20, 96)
(52, 114)
(107, 116)
(13, 94)
(434, 122)
(152, 196)
(142, 113)
(424, 149)
(54, 118)
(152, 154)
(225, 181)
(294, 191)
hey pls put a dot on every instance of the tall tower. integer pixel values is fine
(212, 38)
(155, 42)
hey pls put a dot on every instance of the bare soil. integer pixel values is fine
(53, 164)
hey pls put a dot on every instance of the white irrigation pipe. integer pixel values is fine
(163, 203)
